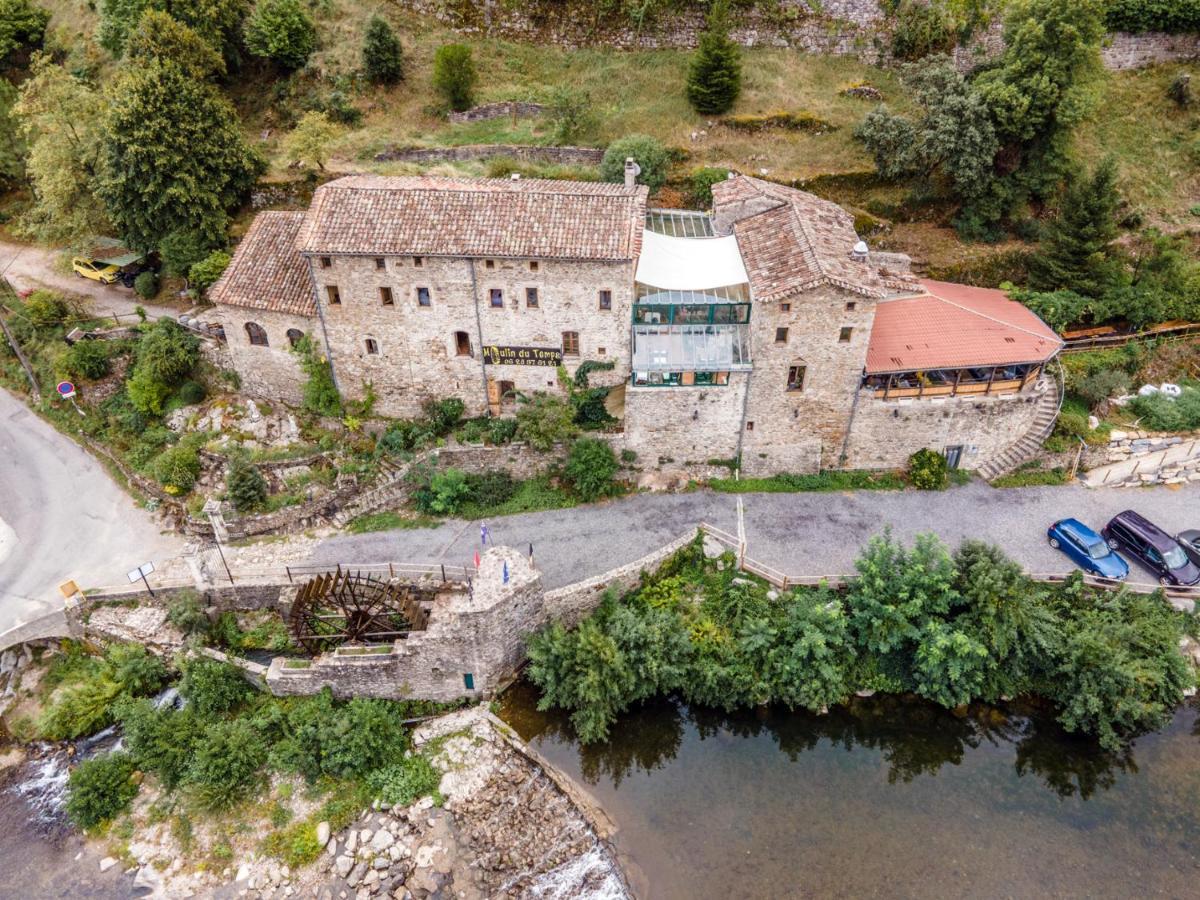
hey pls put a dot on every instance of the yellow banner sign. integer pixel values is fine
(494, 355)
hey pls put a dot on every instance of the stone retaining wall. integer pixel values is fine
(567, 156)
(497, 111)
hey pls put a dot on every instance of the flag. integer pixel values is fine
(477, 559)
(506, 571)
(483, 533)
(531, 552)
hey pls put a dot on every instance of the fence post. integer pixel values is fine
(391, 571)
(443, 573)
(289, 574)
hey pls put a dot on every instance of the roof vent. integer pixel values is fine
(860, 252)
(516, 176)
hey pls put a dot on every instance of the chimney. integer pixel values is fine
(632, 171)
(515, 176)
(860, 252)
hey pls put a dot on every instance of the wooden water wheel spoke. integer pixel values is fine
(344, 607)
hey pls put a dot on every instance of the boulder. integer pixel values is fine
(107, 863)
(322, 833)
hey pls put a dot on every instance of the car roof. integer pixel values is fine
(1147, 529)
(1079, 530)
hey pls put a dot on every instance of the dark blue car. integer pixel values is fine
(1087, 549)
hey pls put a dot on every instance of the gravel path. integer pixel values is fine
(800, 534)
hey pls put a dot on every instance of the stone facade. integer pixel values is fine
(271, 372)
(685, 424)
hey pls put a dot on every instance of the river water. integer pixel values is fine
(887, 797)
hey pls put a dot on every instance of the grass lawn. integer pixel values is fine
(851, 480)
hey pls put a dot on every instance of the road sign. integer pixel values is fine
(66, 390)
(140, 573)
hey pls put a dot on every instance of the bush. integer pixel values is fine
(649, 154)
(921, 30)
(295, 845)
(204, 274)
(212, 687)
(591, 466)
(161, 741)
(1102, 385)
(545, 420)
(45, 309)
(86, 359)
(182, 249)
(282, 31)
(192, 392)
(100, 788)
(166, 355)
(454, 75)
(403, 437)
(700, 186)
(186, 613)
(87, 705)
(405, 782)
(570, 112)
(227, 763)
(1172, 16)
(145, 285)
(245, 484)
(443, 415)
(501, 431)
(177, 468)
(321, 395)
(382, 55)
(927, 470)
(1180, 91)
(1160, 413)
(445, 493)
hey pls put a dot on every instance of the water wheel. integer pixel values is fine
(346, 607)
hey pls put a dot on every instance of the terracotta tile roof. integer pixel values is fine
(952, 326)
(793, 241)
(266, 272)
(429, 216)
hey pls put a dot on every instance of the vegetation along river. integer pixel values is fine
(887, 797)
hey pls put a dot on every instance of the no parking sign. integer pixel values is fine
(66, 390)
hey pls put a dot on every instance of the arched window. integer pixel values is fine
(257, 334)
(294, 336)
(372, 346)
(462, 343)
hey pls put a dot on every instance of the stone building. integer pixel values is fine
(765, 331)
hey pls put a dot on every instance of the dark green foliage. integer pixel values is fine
(93, 690)
(443, 415)
(501, 431)
(180, 250)
(1058, 309)
(204, 273)
(544, 420)
(927, 470)
(405, 782)
(177, 468)
(227, 763)
(490, 489)
(86, 359)
(921, 29)
(1172, 16)
(245, 484)
(454, 75)
(444, 494)
(646, 151)
(1161, 413)
(174, 157)
(1102, 385)
(382, 55)
(832, 480)
(217, 22)
(186, 613)
(46, 309)
(212, 687)
(100, 788)
(571, 113)
(145, 285)
(1180, 91)
(22, 25)
(1076, 252)
(280, 30)
(321, 395)
(321, 737)
(163, 38)
(192, 392)
(714, 77)
(700, 186)
(591, 465)
(161, 741)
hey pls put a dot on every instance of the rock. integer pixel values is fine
(712, 547)
(343, 865)
(371, 878)
(365, 835)
(382, 840)
(107, 863)
(1093, 422)
(331, 847)
(356, 874)
(322, 833)
(351, 841)
(381, 862)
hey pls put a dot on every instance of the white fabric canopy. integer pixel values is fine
(689, 264)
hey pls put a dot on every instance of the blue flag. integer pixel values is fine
(506, 571)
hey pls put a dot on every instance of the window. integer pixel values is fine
(469, 681)
(326, 262)
(385, 296)
(331, 291)
(781, 335)
(423, 297)
(372, 346)
(533, 266)
(851, 306)
(795, 380)
(845, 334)
(785, 307)
(489, 264)
(418, 262)
(257, 334)
(606, 299)
(462, 343)
(570, 343)
(294, 336)
(749, 426)
(496, 298)
(600, 351)
(380, 262)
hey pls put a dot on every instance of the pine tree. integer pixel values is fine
(1076, 253)
(383, 57)
(454, 75)
(715, 74)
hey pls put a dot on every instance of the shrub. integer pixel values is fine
(454, 75)
(700, 185)
(87, 705)
(192, 392)
(295, 845)
(501, 431)
(1180, 91)
(545, 420)
(245, 484)
(927, 470)
(1173, 16)
(649, 154)
(212, 687)
(282, 31)
(100, 788)
(161, 740)
(921, 30)
(591, 466)
(182, 249)
(145, 285)
(443, 415)
(714, 77)
(186, 613)
(382, 55)
(1161, 413)
(86, 359)
(45, 309)
(227, 763)
(166, 354)
(446, 492)
(405, 782)
(177, 468)
(321, 395)
(570, 112)
(1101, 385)
(403, 437)
(204, 274)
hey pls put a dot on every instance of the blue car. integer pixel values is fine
(1087, 549)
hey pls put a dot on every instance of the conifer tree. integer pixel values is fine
(1076, 253)
(715, 74)
(383, 57)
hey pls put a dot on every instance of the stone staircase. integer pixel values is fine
(387, 489)
(1030, 443)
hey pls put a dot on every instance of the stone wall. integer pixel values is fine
(682, 425)
(562, 156)
(496, 111)
(886, 433)
(271, 372)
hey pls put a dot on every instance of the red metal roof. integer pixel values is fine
(954, 326)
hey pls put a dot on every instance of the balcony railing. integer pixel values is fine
(952, 382)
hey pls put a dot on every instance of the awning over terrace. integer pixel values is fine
(689, 263)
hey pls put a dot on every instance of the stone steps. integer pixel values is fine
(1175, 464)
(1030, 443)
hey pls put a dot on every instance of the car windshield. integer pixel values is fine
(1175, 558)
(1098, 550)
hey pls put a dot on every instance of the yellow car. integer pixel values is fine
(97, 271)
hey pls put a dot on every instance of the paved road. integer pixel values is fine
(61, 517)
(800, 534)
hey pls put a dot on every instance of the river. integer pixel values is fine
(887, 797)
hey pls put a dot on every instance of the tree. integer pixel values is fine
(62, 122)
(212, 688)
(454, 75)
(382, 55)
(204, 274)
(1077, 250)
(646, 151)
(22, 25)
(245, 484)
(160, 37)
(570, 112)
(282, 31)
(182, 249)
(13, 148)
(178, 467)
(218, 22)
(227, 763)
(714, 77)
(174, 157)
(591, 465)
(308, 142)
